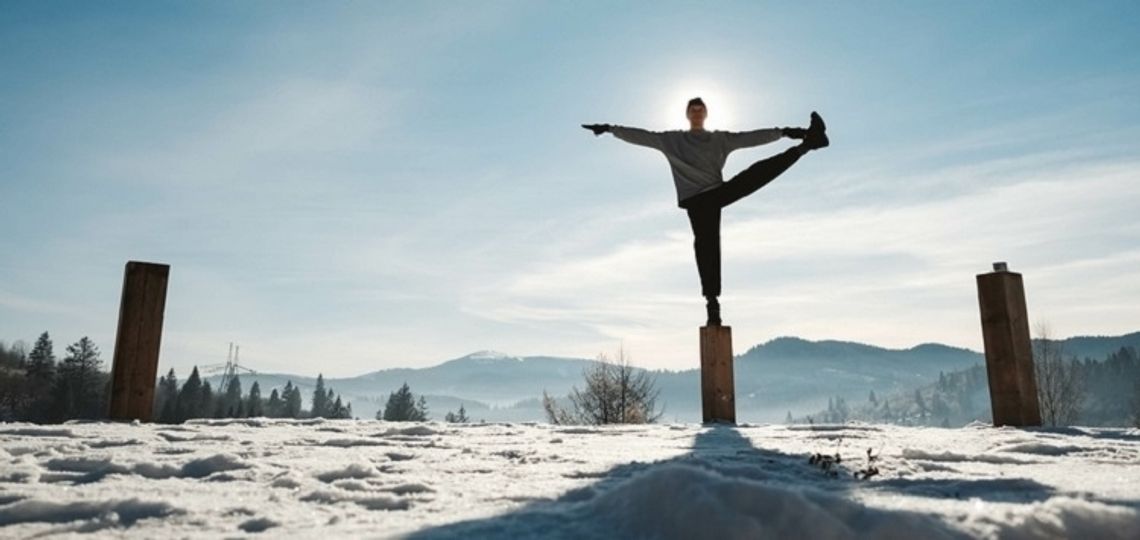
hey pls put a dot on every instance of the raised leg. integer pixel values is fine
(756, 176)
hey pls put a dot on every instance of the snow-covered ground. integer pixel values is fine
(368, 479)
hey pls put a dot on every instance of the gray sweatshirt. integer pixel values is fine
(696, 157)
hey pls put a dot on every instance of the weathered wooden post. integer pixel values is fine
(718, 393)
(138, 340)
(1009, 353)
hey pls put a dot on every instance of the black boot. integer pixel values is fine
(816, 134)
(714, 311)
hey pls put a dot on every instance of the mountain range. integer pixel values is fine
(786, 374)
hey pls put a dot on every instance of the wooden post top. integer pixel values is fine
(159, 267)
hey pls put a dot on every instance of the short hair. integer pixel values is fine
(694, 101)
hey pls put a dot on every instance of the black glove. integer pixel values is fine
(794, 132)
(598, 129)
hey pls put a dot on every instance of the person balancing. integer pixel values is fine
(696, 157)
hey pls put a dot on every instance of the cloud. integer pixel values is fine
(898, 273)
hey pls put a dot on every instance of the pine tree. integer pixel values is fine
(320, 399)
(872, 398)
(190, 397)
(402, 407)
(41, 364)
(788, 419)
(274, 407)
(167, 401)
(79, 389)
(231, 401)
(338, 410)
(292, 398)
(40, 375)
(254, 406)
(456, 418)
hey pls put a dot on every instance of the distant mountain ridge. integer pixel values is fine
(781, 375)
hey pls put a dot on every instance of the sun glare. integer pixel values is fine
(718, 101)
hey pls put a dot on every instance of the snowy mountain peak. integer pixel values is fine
(487, 356)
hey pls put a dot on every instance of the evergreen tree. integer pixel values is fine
(872, 398)
(40, 373)
(274, 407)
(402, 407)
(788, 419)
(292, 398)
(189, 404)
(41, 364)
(231, 400)
(254, 406)
(166, 401)
(79, 390)
(339, 410)
(320, 407)
(457, 418)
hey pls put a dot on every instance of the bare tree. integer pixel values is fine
(615, 392)
(1060, 386)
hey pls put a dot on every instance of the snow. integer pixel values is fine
(291, 478)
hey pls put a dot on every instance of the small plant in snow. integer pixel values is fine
(829, 464)
(870, 470)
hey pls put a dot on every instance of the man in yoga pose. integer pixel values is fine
(697, 157)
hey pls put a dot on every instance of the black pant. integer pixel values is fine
(704, 212)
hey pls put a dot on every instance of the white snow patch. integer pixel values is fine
(413, 431)
(116, 512)
(284, 478)
(1039, 448)
(355, 470)
(913, 453)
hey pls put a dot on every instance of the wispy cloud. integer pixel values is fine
(378, 185)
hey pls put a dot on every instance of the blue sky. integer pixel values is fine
(343, 187)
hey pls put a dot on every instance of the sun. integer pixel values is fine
(718, 100)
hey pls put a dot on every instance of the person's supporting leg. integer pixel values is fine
(705, 221)
(756, 176)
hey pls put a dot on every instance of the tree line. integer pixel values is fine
(404, 406)
(35, 386)
(196, 398)
(1070, 391)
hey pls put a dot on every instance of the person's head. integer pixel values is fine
(696, 112)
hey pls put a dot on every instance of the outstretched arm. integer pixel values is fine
(745, 139)
(638, 136)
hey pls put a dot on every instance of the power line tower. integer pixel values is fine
(230, 369)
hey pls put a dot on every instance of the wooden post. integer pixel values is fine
(138, 340)
(1009, 353)
(718, 393)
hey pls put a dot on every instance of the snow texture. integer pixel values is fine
(288, 478)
